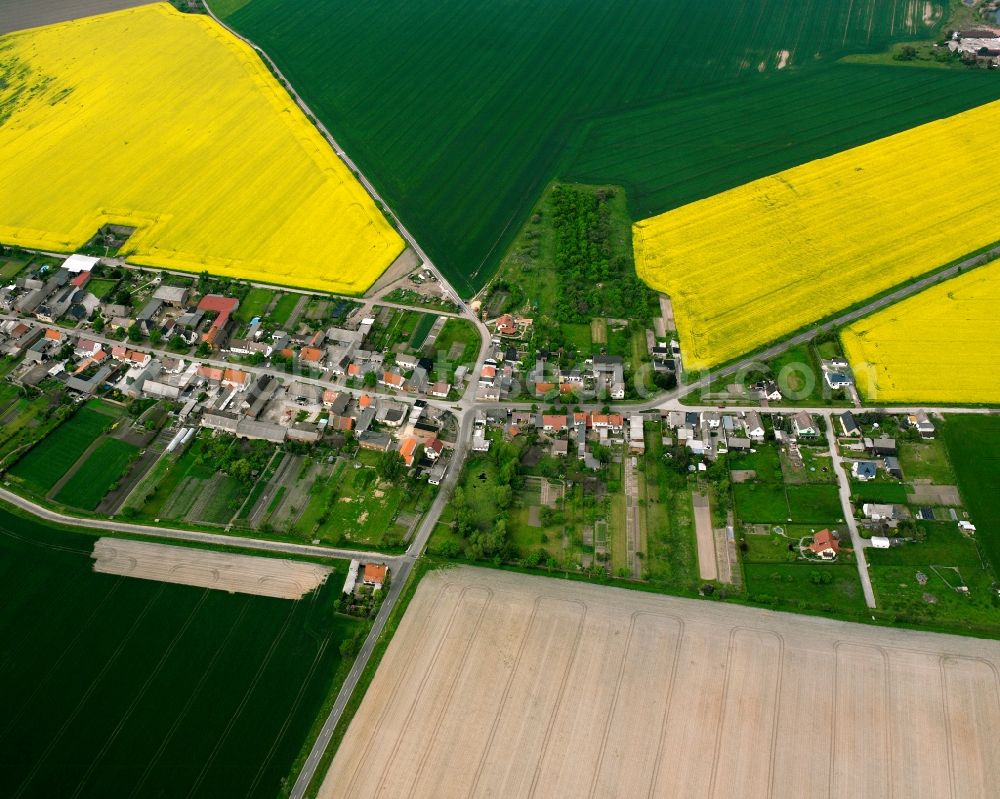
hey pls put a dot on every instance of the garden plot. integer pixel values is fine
(520, 685)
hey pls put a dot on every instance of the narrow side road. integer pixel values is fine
(844, 486)
(175, 534)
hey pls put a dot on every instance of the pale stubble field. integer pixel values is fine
(509, 685)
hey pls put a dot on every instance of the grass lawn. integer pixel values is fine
(105, 467)
(456, 334)
(49, 460)
(926, 460)
(479, 483)
(227, 494)
(894, 493)
(776, 504)
(799, 376)
(973, 444)
(113, 685)
(804, 586)
(765, 462)
(577, 336)
(941, 545)
(255, 303)
(361, 509)
(399, 327)
(769, 549)
(283, 309)
(102, 287)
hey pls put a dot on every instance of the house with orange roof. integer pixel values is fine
(134, 358)
(236, 378)
(543, 388)
(364, 402)
(507, 325)
(312, 355)
(212, 373)
(408, 450)
(54, 335)
(826, 545)
(488, 375)
(341, 423)
(554, 423)
(392, 380)
(224, 307)
(374, 574)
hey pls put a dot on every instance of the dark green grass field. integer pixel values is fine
(679, 151)
(463, 110)
(47, 461)
(105, 466)
(113, 686)
(777, 504)
(973, 444)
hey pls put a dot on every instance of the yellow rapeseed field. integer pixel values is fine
(941, 345)
(166, 122)
(755, 263)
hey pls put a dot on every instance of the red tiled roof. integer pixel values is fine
(407, 450)
(824, 540)
(374, 573)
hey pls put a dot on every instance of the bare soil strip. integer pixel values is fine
(242, 574)
(707, 565)
(20, 14)
(514, 685)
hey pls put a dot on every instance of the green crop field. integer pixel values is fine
(672, 153)
(47, 461)
(974, 449)
(421, 330)
(115, 687)
(461, 113)
(105, 466)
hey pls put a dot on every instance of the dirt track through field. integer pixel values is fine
(20, 14)
(241, 574)
(500, 684)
